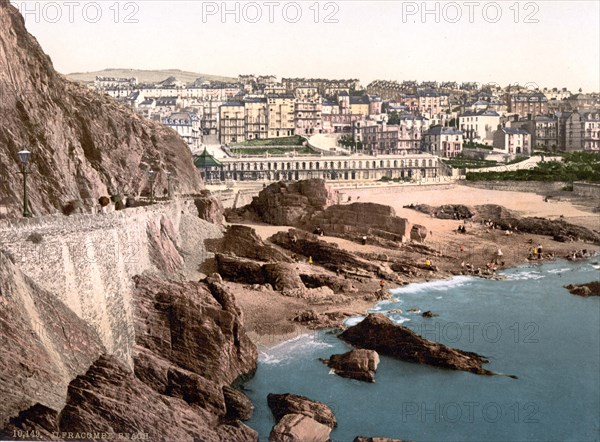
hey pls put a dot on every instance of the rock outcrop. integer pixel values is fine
(111, 399)
(585, 290)
(361, 219)
(282, 404)
(299, 428)
(378, 332)
(190, 347)
(326, 254)
(375, 439)
(358, 364)
(553, 228)
(243, 241)
(84, 145)
(287, 204)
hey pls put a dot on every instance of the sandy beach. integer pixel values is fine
(269, 315)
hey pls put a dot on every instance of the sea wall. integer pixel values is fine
(517, 186)
(587, 189)
(88, 260)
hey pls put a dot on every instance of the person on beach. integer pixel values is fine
(382, 284)
(539, 251)
(310, 260)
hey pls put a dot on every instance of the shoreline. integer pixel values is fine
(279, 340)
(269, 316)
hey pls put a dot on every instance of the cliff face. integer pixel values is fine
(84, 145)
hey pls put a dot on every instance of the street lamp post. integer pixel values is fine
(24, 156)
(151, 177)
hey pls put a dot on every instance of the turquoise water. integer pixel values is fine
(527, 325)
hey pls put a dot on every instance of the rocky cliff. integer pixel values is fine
(84, 145)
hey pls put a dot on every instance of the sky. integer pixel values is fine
(542, 43)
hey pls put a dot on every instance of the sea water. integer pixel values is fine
(527, 325)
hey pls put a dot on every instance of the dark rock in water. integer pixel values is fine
(282, 404)
(375, 439)
(239, 406)
(357, 364)
(299, 428)
(378, 332)
(585, 290)
(428, 314)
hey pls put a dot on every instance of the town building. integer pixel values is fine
(256, 118)
(528, 103)
(187, 125)
(335, 168)
(232, 122)
(479, 127)
(512, 141)
(446, 142)
(280, 108)
(543, 130)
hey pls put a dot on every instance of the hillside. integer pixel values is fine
(147, 76)
(84, 145)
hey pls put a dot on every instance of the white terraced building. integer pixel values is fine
(342, 168)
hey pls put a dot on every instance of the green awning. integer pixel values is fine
(206, 160)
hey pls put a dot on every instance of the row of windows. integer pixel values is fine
(329, 165)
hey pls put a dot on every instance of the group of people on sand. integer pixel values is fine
(579, 254)
(536, 252)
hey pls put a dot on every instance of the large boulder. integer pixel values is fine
(243, 241)
(210, 209)
(359, 364)
(299, 428)
(110, 399)
(288, 204)
(585, 290)
(378, 332)
(239, 406)
(359, 219)
(283, 404)
(194, 326)
(323, 253)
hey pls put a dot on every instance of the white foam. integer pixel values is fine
(351, 322)
(558, 270)
(398, 319)
(438, 286)
(301, 344)
(523, 276)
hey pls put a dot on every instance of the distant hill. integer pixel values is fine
(147, 76)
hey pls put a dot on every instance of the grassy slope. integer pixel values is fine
(146, 76)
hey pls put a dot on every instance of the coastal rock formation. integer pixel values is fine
(84, 145)
(243, 241)
(357, 364)
(326, 254)
(585, 290)
(210, 209)
(359, 219)
(194, 326)
(448, 211)
(375, 439)
(239, 406)
(287, 204)
(299, 428)
(378, 332)
(281, 276)
(554, 228)
(111, 399)
(283, 404)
